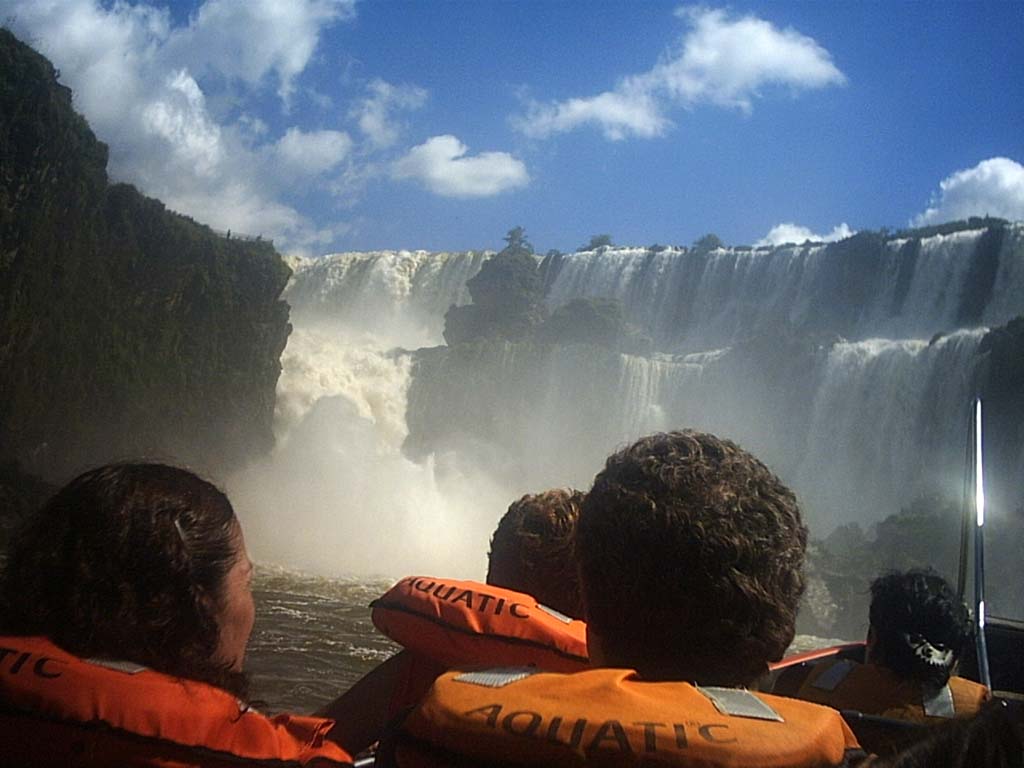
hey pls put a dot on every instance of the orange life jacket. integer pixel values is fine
(57, 709)
(465, 623)
(876, 690)
(610, 717)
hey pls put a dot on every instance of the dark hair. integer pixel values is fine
(920, 625)
(532, 549)
(127, 561)
(690, 554)
(994, 738)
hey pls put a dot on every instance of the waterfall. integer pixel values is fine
(897, 288)
(845, 367)
(894, 416)
(406, 292)
(338, 487)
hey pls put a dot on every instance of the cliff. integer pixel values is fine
(125, 329)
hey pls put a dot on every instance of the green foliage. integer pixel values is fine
(598, 321)
(924, 534)
(507, 284)
(516, 239)
(508, 297)
(708, 242)
(597, 241)
(125, 329)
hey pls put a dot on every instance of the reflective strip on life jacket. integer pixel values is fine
(465, 623)
(876, 690)
(58, 709)
(611, 717)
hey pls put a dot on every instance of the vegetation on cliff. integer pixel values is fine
(125, 329)
(925, 533)
(597, 321)
(508, 305)
(508, 297)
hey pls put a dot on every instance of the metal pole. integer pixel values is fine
(979, 552)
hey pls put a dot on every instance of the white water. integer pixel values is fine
(339, 496)
(399, 296)
(689, 300)
(873, 415)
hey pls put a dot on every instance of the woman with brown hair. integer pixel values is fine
(125, 609)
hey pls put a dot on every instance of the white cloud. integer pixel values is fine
(310, 154)
(374, 112)
(440, 164)
(619, 114)
(137, 79)
(719, 60)
(994, 187)
(794, 233)
(179, 117)
(250, 40)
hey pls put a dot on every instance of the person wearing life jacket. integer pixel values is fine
(918, 629)
(993, 738)
(125, 611)
(525, 614)
(690, 554)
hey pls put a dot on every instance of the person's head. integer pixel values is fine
(918, 626)
(994, 738)
(690, 553)
(532, 550)
(140, 562)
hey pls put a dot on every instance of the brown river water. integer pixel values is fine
(313, 638)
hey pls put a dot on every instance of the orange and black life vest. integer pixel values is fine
(610, 717)
(875, 690)
(57, 709)
(466, 623)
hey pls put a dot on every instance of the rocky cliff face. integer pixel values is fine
(125, 329)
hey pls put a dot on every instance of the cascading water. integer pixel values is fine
(403, 294)
(385, 457)
(691, 300)
(337, 487)
(891, 414)
(390, 461)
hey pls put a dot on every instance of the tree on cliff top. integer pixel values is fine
(516, 239)
(597, 241)
(507, 293)
(708, 242)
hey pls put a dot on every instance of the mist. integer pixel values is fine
(337, 497)
(396, 454)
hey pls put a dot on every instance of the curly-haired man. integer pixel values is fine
(690, 553)
(531, 549)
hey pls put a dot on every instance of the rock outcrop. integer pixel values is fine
(125, 329)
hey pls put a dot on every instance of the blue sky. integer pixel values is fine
(339, 125)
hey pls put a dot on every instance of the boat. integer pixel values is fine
(995, 659)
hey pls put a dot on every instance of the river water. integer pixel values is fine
(313, 638)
